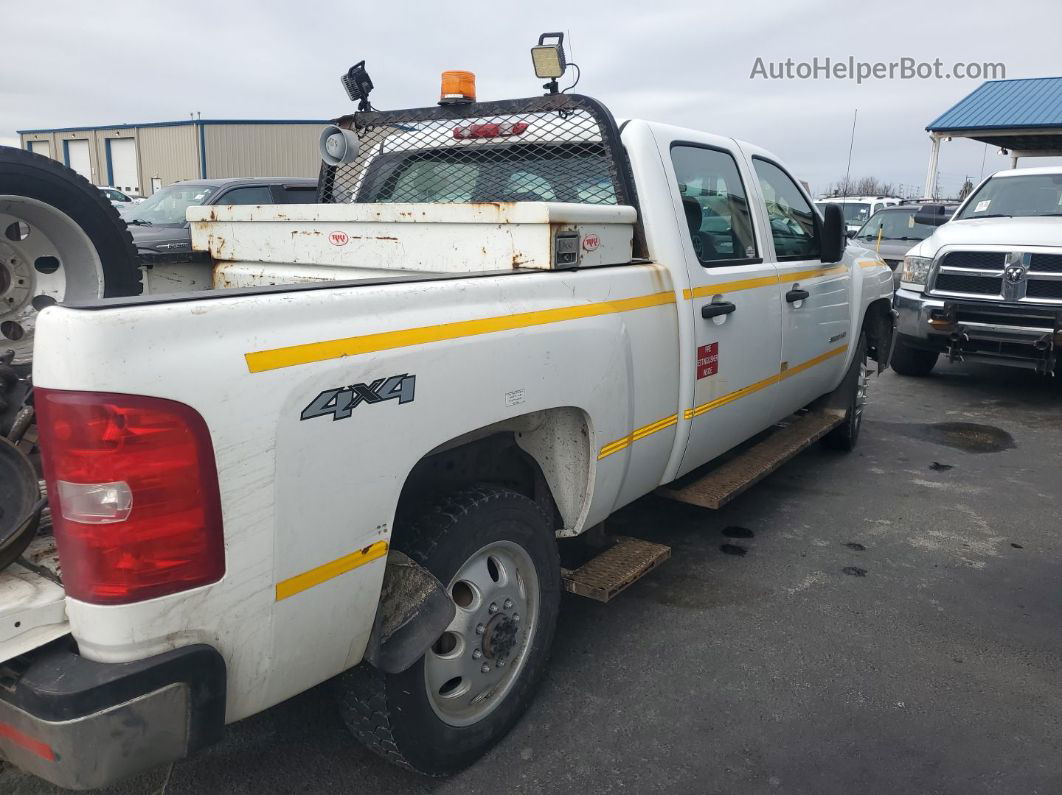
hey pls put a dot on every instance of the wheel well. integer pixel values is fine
(544, 455)
(878, 326)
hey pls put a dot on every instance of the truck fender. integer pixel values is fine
(879, 323)
(414, 610)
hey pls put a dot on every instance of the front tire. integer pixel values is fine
(496, 551)
(913, 362)
(856, 381)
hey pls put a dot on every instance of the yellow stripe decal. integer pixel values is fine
(762, 281)
(799, 368)
(308, 579)
(635, 435)
(729, 287)
(783, 373)
(766, 382)
(260, 361)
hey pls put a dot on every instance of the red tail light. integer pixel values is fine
(133, 489)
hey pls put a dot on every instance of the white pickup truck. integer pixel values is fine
(987, 285)
(368, 457)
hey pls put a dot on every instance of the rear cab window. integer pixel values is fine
(503, 173)
(715, 205)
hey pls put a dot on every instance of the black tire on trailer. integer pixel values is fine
(913, 362)
(496, 552)
(68, 227)
(855, 383)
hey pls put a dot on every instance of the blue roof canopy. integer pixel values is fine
(1006, 104)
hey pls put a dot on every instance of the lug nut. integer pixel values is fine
(500, 663)
(508, 604)
(516, 616)
(485, 669)
(493, 608)
(480, 629)
(476, 654)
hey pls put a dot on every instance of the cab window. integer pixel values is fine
(792, 220)
(252, 194)
(715, 205)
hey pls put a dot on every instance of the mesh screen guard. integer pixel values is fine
(558, 147)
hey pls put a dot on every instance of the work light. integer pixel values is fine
(549, 58)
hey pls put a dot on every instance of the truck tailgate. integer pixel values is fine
(32, 606)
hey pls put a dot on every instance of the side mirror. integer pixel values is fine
(932, 215)
(851, 233)
(834, 233)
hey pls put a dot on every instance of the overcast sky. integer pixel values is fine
(682, 62)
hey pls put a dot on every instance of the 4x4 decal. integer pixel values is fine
(338, 403)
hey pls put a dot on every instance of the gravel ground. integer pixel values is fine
(882, 621)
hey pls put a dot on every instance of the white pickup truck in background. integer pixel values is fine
(987, 285)
(367, 457)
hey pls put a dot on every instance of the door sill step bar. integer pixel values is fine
(612, 571)
(722, 482)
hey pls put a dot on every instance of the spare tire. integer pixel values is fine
(20, 503)
(60, 240)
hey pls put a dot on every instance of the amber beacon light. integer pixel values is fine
(457, 88)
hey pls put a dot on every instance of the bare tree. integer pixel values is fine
(861, 186)
(965, 190)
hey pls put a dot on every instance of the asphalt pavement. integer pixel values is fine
(881, 621)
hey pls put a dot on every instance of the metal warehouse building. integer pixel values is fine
(140, 158)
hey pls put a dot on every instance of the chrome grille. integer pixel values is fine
(1046, 263)
(1042, 288)
(986, 275)
(980, 260)
(963, 283)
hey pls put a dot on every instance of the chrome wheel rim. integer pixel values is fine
(474, 664)
(45, 258)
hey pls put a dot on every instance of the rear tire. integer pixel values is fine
(913, 362)
(855, 383)
(409, 719)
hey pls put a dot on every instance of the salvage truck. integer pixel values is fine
(389, 439)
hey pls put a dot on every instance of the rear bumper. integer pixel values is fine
(1005, 333)
(81, 724)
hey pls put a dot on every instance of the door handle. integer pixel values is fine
(716, 309)
(796, 295)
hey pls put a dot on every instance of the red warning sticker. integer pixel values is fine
(338, 238)
(708, 360)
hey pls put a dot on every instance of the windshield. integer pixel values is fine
(168, 205)
(854, 212)
(1025, 196)
(894, 225)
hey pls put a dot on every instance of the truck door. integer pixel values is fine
(814, 296)
(733, 296)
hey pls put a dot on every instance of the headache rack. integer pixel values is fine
(556, 148)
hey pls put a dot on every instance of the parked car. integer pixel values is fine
(891, 232)
(522, 318)
(857, 209)
(119, 198)
(988, 283)
(159, 226)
